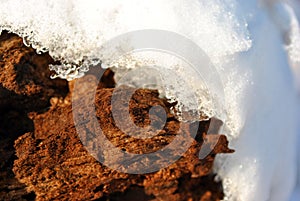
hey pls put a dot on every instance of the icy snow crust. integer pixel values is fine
(252, 45)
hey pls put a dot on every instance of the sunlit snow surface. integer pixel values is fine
(254, 46)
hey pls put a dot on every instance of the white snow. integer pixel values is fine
(253, 44)
(264, 166)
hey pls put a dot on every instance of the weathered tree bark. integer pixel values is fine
(52, 164)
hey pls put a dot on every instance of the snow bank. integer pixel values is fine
(250, 44)
(73, 31)
(264, 166)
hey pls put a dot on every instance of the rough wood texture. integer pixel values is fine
(52, 164)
